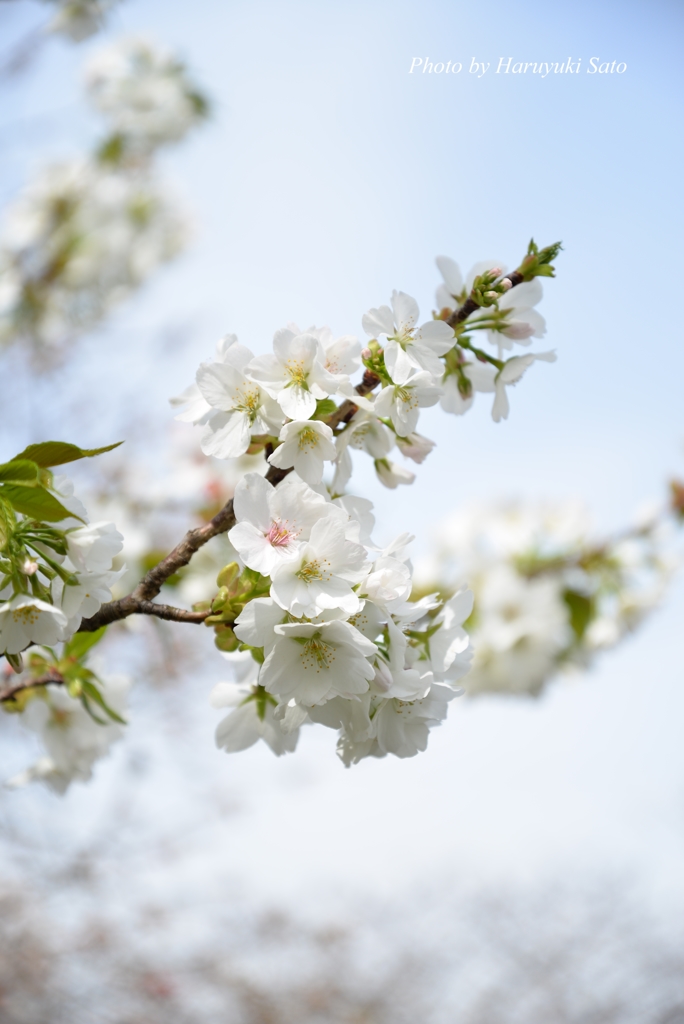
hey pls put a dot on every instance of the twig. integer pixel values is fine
(9, 691)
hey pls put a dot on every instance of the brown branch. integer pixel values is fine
(10, 691)
(470, 305)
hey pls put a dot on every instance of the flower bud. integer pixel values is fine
(495, 271)
(492, 296)
(228, 574)
(506, 284)
(366, 353)
(28, 567)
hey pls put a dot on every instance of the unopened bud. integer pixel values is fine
(495, 271)
(228, 574)
(506, 284)
(366, 354)
(491, 295)
(29, 567)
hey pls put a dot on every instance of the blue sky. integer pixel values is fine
(329, 176)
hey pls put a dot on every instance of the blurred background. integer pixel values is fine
(528, 866)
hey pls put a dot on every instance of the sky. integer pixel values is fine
(329, 175)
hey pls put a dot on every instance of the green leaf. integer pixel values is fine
(7, 522)
(324, 407)
(57, 453)
(91, 692)
(82, 642)
(36, 502)
(581, 608)
(20, 471)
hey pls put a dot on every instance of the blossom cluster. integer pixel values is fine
(79, 239)
(548, 595)
(79, 19)
(321, 624)
(144, 94)
(320, 619)
(88, 231)
(73, 739)
(336, 641)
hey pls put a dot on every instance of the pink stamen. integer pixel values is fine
(278, 535)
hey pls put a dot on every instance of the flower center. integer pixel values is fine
(297, 373)
(317, 655)
(359, 435)
(311, 571)
(27, 615)
(406, 396)
(247, 401)
(278, 535)
(308, 438)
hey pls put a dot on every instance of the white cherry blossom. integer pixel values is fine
(79, 19)
(321, 575)
(402, 727)
(450, 650)
(402, 400)
(481, 376)
(273, 522)
(245, 726)
(239, 406)
(25, 620)
(294, 374)
(415, 446)
(73, 740)
(306, 445)
(83, 599)
(406, 346)
(395, 675)
(91, 548)
(310, 663)
(255, 625)
(144, 92)
(253, 716)
(511, 373)
(391, 474)
(521, 321)
(340, 357)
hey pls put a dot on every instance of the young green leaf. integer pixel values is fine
(35, 502)
(82, 642)
(20, 471)
(91, 692)
(57, 453)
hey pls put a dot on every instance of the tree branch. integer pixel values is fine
(10, 691)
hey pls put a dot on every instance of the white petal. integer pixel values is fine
(451, 272)
(405, 311)
(251, 500)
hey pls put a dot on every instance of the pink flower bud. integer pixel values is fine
(491, 295)
(506, 284)
(366, 353)
(495, 271)
(29, 567)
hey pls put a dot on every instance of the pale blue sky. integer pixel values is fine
(329, 176)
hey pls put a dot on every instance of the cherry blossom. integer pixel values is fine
(407, 347)
(306, 445)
